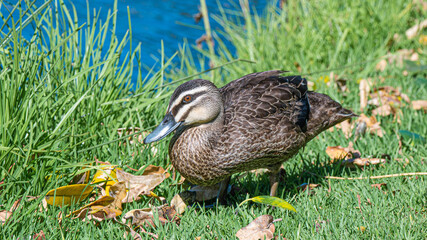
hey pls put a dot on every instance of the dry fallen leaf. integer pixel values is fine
(381, 65)
(384, 110)
(362, 162)
(39, 236)
(372, 125)
(145, 217)
(419, 104)
(103, 201)
(364, 88)
(336, 153)
(379, 185)
(414, 30)
(261, 227)
(196, 194)
(308, 187)
(4, 216)
(98, 213)
(346, 127)
(106, 207)
(387, 95)
(339, 153)
(398, 57)
(106, 176)
(140, 185)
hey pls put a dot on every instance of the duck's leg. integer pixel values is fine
(274, 178)
(223, 186)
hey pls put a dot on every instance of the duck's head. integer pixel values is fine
(193, 103)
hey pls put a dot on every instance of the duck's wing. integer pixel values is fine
(265, 119)
(266, 96)
(269, 117)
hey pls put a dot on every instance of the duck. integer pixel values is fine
(260, 120)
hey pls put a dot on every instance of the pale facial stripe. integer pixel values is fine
(178, 100)
(187, 107)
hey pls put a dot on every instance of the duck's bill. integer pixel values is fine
(167, 126)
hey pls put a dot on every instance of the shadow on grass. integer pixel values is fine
(293, 175)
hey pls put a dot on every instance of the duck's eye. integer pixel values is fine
(186, 99)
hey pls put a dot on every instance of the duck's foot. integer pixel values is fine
(274, 176)
(205, 194)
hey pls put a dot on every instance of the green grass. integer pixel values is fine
(63, 98)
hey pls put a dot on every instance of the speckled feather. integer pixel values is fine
(267, 119)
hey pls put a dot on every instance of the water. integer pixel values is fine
(152, 21)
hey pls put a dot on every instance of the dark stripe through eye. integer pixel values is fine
(185, 101)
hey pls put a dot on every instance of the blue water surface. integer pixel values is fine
(152, 21)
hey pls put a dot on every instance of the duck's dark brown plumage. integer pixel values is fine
(264, 120)
(257, 121)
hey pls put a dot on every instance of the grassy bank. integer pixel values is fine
(66, 91)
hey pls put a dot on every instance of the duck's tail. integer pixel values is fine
(324, 113)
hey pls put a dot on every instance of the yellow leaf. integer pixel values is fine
(273, 201)
(106, 174)
(68, 195)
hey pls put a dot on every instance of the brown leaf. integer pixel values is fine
(370, 121)
(140, 217)
(181, 200)
(387, 99)
(98, 213)
(398, 57)
(4, 216)
(106, 207)
(39, 236)
(346, 127)
(145, 217)
(135, 235)
(118, 192)
(384, 110)
(308, 187)
(419, 104)
(381, 65)
(149, 233)
(372, 124)
(364, 88)
(140, 185)
(376, 129)
(379, 185)
(261, 227)
(362, 162)
(103, 201)
(336, 153)
(169, 213)
(81, 178)
(414, 30)
(151, 170)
